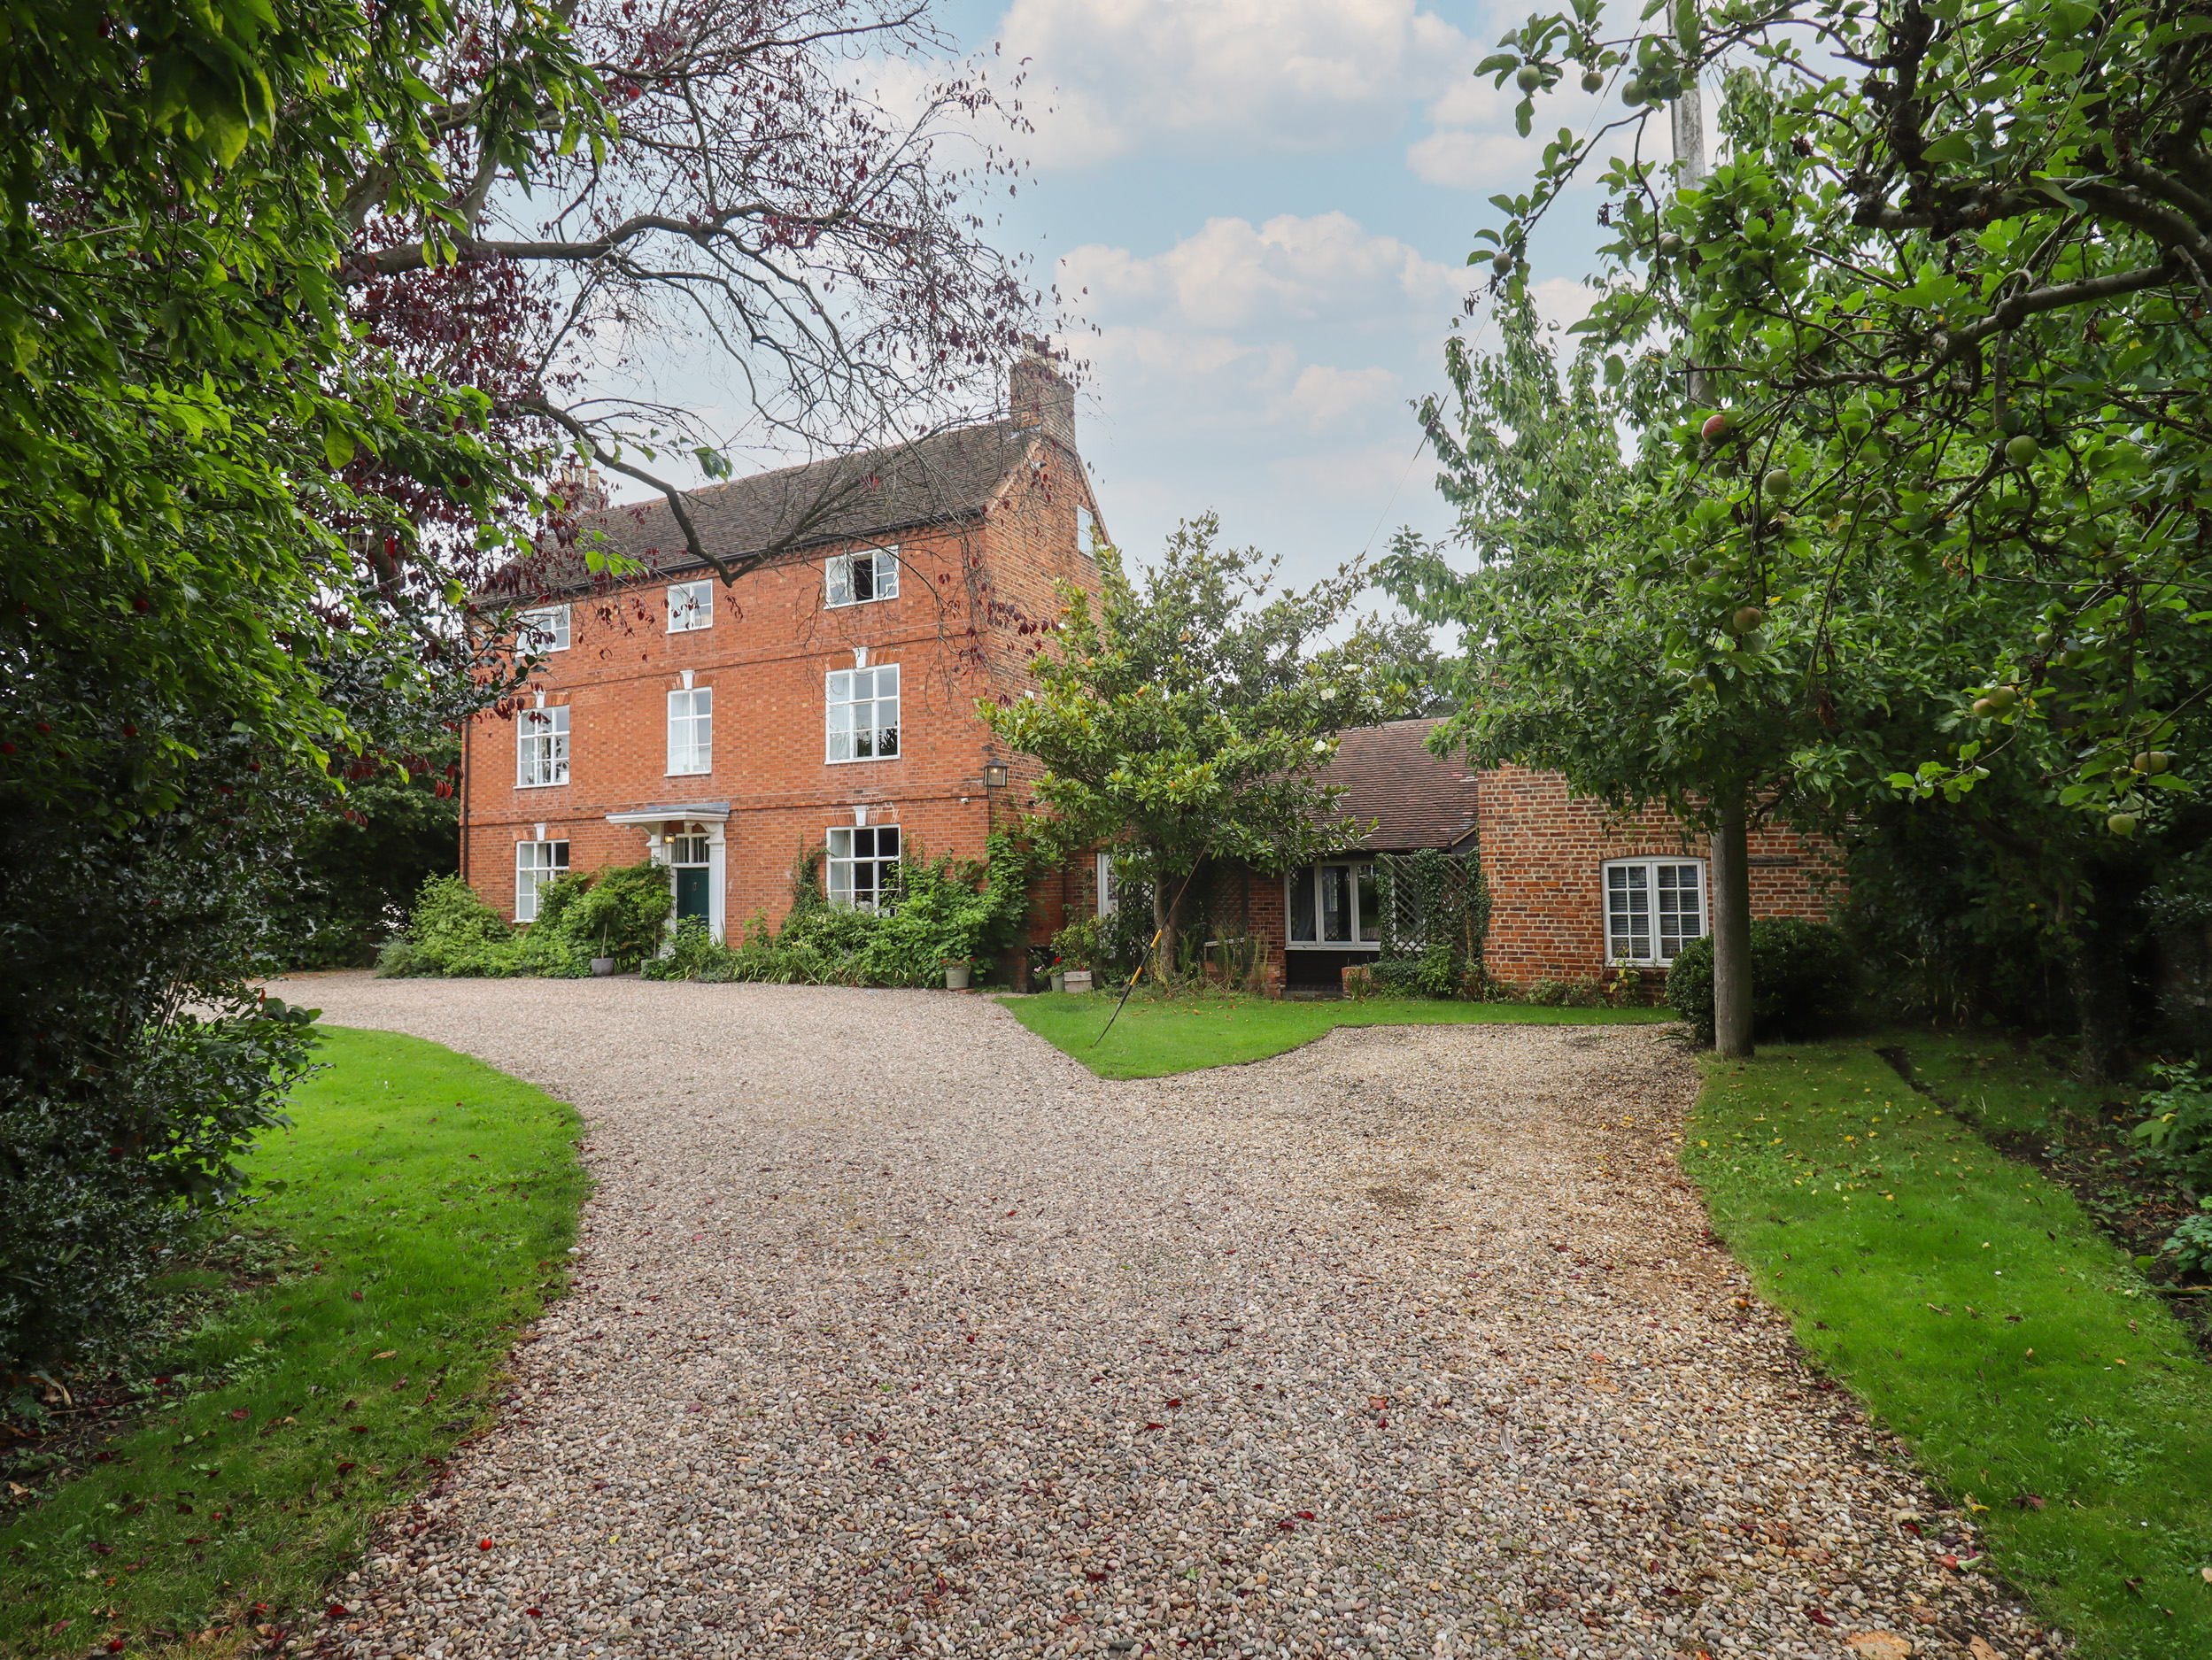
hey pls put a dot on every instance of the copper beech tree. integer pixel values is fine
(704, 186)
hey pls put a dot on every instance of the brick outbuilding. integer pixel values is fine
(1575, 891)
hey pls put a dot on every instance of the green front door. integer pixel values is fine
(687, 859)
(691, 890)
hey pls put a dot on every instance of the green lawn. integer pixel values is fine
(426, 1206)
(1158, 1035)
(1983, 1317)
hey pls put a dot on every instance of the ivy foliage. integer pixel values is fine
(1435, 914)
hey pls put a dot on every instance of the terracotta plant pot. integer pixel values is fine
(955, 977)
(1078, 979)
(602, 965)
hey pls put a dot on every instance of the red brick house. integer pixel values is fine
(1575, 891)
(825, 702)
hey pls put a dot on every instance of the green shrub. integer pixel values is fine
(693, 954)
(450, 931)
(1077, 945)
(2178, 1132)
(2192, 1244)
(620, 916)
(1802, 980)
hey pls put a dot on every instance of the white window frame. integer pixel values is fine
(844, 857)
(691, 605)
(1108, 891)
(541, 747)
(535, 864)
(691, 731)
(1358, 938)
(838, 695)
(545, 628)
(1619, 941)
(883, 577)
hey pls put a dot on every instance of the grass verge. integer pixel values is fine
(1983, 1317)
(423, 1204)
(1158, 1035)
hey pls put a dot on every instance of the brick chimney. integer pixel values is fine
(1039, 396)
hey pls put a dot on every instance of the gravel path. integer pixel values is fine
(900, 1334)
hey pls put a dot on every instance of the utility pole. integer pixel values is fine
(1729, 866)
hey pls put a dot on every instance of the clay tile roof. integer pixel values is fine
(1415, 798)
(948, 477)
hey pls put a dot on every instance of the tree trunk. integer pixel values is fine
(2098, 974)
(1731, 934)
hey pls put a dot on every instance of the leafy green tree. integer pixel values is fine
(1192, 715)
(1944, 317)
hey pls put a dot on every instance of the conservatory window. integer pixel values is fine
(1335, 904)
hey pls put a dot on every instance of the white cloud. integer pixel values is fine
(1294, 337)
(1470, 161)
(1323, 396)
(1301, 75)
(1562, 302)
(1232, 275)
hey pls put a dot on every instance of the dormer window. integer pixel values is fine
(853, 579)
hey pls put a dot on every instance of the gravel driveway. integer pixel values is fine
(899, 1333)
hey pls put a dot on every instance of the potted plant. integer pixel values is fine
(1077, 945)
(602, 964)
(956, 973)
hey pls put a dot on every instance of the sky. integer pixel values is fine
(1262, 209)
(1258, 213)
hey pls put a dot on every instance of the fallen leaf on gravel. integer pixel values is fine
(1880, 1645)
(1981, 1650)
(1175, 1401)
(1377, 1402)
(336, 1610)
(534, 1613)
(1153, 1426)
(1820, 1617)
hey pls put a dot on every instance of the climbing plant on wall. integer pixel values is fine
(1435, 914)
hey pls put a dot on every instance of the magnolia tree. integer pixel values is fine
(1193, 715)
(1928, 347)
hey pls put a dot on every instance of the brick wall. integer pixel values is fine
(974, 601)
(1544, 853)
